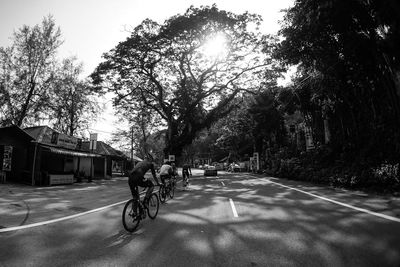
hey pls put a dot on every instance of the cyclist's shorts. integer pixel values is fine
(164, 177)
(139, 181)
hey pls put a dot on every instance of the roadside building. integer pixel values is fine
(111, 158)
(42, 156)
(16, 155)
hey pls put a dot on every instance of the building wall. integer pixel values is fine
(98, 164)
(84, 166)
(21, 155)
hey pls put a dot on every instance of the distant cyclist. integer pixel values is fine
(136, 178)
(166, 172)
(186, 170)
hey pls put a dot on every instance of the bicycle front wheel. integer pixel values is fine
(163, 194)
(152, 206)
(130, 216)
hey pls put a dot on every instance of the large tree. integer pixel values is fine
(27, 70)
(74, 106)
(141, 135)
(187, 70)
(347, 71)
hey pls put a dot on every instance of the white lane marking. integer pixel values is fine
(9, 229)
(59, 219)
(235, 214)
(384, 216)
(223, 183)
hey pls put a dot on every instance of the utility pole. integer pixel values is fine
(132, 143)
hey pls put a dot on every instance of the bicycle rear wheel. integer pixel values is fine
(130, 217)
(152, 206)
(171, 190)
(163, 194)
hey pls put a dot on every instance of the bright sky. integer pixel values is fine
(93, 27)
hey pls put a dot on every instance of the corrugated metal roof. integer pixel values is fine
(72, 153)
(104, 149)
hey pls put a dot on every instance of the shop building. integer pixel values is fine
(42, 156)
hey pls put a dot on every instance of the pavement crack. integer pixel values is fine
(28, 210)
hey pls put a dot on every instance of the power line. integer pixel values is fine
(95, 130)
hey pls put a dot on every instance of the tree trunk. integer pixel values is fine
(24, 109)
(72, 113)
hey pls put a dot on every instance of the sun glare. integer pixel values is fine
(216, 46)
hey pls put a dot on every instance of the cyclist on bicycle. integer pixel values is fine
(166, 172)
(186, 170)
(136, 178)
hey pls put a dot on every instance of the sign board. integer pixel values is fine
(256, 158)
(93, 137)
(64, 140)
(67, 141)
(93, 141)
(7, 158)
(171, 157)
(251, 163)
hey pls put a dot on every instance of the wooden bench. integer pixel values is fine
(56, 179)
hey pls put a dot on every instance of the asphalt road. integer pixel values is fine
(232, 220)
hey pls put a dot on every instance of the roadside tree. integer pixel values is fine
(74, 106)
(187, 70)
(348, 71)
(27, 71)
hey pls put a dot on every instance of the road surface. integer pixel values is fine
(229, 220)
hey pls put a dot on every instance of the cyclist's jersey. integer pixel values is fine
(186, 168)
(141, 168)
(166, 170)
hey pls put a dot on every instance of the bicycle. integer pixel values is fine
(131, 217)
(185, 178)
(167, 189)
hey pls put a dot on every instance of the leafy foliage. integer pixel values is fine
(347, 82)
(35, 87)
(165, 68)
(346, 72)
(73, 106)
(27, 70)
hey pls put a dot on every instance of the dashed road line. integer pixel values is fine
(235, 214)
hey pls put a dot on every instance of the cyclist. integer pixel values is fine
(186, 170)
(136, 178)
(166, 172)
(175, 172)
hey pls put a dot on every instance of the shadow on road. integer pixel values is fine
(275, 227)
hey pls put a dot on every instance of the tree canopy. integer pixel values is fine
(347, 71)
(27, 70)
(36, 87)
(187, 70)
(73, 106)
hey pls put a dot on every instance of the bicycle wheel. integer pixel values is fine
(163, 194)
(171, 190)
(130, 220)
(153, 205)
